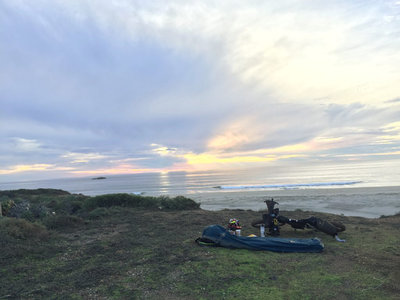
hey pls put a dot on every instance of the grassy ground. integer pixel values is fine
(149, 253)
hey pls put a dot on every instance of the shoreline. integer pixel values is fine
(358, 202)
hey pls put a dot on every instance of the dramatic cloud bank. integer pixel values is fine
(109, 87)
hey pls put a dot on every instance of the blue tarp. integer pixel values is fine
(223, 238)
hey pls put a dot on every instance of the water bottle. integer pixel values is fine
(262, 231)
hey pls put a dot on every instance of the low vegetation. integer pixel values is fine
(64, 246)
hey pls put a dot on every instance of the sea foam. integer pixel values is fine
(287, 186)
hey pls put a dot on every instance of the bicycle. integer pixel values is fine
(272, 221)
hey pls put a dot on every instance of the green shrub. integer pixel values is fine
(76, 205)
(39, 211)
(22, 229)
(6, 206)
(128, 200)
(3, 200)
(110, 200)
(19, 209)
(25, 209)
(62, 221)
(65, 204)
(99, 213)
(150, 202)
(178, 203)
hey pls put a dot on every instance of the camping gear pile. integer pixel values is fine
(272, 220)
(216, 235)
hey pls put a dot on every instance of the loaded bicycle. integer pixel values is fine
(272, 221)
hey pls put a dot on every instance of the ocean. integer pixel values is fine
(346, 190)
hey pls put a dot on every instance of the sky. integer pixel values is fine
(90, 88)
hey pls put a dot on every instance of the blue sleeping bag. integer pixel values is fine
(221, 237)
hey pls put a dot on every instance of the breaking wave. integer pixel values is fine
(287, 186)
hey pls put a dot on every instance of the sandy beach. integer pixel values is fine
(363, 202)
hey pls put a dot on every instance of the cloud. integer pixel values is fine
(25, 145)
(31, 168)
(83, 157)
(395, 100)
(156, 86)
